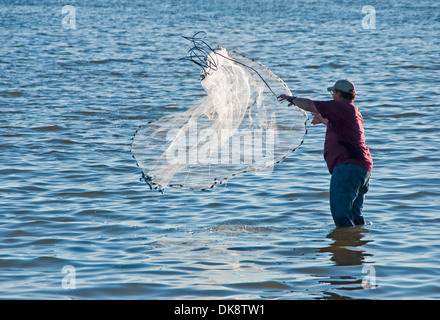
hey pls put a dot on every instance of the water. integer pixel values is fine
(76, 222)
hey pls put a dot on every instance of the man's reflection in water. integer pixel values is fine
(346, 251)
(345, 248)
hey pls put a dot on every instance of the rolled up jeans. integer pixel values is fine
(348, 185)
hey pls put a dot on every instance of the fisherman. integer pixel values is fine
(345, 151)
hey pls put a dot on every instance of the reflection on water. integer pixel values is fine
(346, 248)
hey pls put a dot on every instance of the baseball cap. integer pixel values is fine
(344, 86)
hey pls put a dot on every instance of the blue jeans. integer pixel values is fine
(348, 185)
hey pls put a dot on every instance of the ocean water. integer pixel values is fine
(77, 222)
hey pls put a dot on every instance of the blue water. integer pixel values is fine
(76, 221)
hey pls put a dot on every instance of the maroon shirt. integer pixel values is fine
(344, 139)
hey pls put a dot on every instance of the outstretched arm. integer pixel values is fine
(303, 103)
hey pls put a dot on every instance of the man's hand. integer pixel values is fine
(303, 103)
(317, 119)
(285, 97)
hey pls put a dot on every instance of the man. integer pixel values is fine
(346, 154)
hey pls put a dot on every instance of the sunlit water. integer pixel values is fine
(76, 222)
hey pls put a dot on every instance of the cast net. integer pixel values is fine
(239, 127)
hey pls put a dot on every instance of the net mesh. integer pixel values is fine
(240, 126)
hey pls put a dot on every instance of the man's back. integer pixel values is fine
(345, 140)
